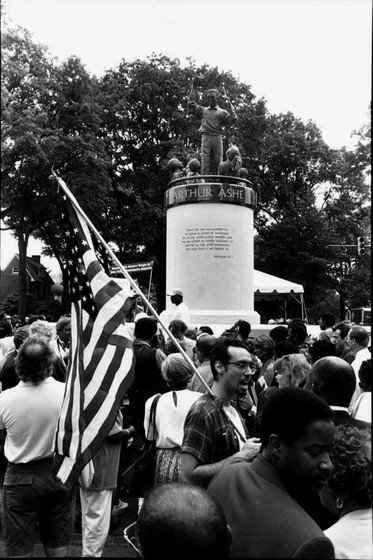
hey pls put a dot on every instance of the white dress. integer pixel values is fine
(171, 412)
(170, 416)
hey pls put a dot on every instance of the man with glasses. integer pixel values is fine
(214, 432)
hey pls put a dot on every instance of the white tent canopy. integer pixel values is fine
(267, 284)
(268, 287)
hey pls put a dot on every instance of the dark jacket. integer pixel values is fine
(148, 381)
(266, 520)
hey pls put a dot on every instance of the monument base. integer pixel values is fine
(199, 317)
(218, 328)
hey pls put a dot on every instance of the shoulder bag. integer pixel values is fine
(144, 460)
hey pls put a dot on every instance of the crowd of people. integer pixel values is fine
(263, 442)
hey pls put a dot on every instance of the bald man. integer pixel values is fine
(333, 379)
(182, 520)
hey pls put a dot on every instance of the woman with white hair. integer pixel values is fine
(44, 329)
(171, 411)
(291, 370)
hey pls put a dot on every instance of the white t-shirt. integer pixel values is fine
(6, 344)
(6, 349)
(236, 421)
(29, 414)
(361, 356)
(170, 416)
(182, 313)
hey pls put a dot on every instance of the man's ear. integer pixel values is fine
(219, 366)
(276, 445)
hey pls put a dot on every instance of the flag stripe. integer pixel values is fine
(109, 387)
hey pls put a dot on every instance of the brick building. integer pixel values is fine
(38, 281)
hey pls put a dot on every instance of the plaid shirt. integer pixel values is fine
(209, 435)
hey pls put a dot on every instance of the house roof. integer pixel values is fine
(33, 267)
(268, 284)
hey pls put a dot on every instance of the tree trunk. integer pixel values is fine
(342, 308)
(161, 281)
(66, 305)
(22, 284)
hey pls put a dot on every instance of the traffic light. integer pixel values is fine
(360, 246)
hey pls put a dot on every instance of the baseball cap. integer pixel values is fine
(176, 292)
(141, 315)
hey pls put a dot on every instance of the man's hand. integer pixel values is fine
(131, 431)
(250, 449)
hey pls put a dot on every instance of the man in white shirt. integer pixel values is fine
(6, 341)
(358, 341)
(204, 345)
(182, 310)
(28, 419)
(61, 343)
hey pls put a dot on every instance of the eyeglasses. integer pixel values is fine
(242, 366)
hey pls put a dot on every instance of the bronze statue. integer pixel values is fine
(193, 169)
(213, 120)
(231, 167)
(175, 168)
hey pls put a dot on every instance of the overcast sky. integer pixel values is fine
(310, 57)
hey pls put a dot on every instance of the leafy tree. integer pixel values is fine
(347, 210)
(25, 74)
(34, 306)
(142, 119)
(49, 118)
(292, 232)
(73, 146)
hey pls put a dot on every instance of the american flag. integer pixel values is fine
(100, 368)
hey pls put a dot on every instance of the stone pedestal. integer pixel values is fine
(210, 249)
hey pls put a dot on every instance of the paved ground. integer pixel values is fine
(115, 546)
